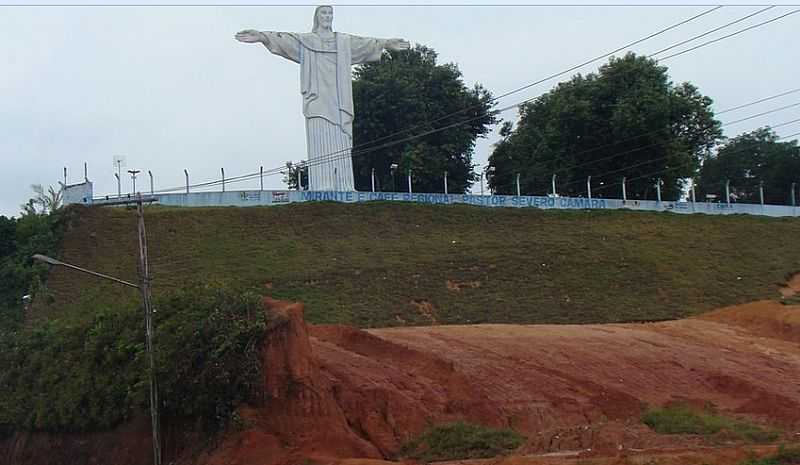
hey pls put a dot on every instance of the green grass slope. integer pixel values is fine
(385, 264)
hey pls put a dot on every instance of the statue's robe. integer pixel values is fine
(326, 87)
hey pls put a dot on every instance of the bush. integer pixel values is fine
(456, 441)
(19, 274)
(93, 374)
(784, 456)
(681, 419)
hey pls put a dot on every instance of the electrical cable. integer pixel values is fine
(356, 151)
(729, 35)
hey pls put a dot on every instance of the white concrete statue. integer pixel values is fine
(325, 58)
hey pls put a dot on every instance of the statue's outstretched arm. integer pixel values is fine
(280, 43)
(251, 36)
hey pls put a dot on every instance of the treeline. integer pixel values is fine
(628, 119)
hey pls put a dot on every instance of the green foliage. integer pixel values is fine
(209, 357)
(628, 119)
(19, 274)
(43, 201)
(89, 374)
(784, 456)
(364, 264)
(459, 440)
(408, 89)
(681, 419)
(748, 160)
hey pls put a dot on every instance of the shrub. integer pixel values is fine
(93, 374)
(784, 456)
(459, 440)
(681, 419)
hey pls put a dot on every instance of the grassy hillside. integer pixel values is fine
(383, 264)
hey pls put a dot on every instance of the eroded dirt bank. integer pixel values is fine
(336, 392)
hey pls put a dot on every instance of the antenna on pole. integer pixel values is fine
(119, 162)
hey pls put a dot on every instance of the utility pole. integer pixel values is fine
(144, 287)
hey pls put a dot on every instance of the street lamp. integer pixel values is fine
(133, 174)
(153, 386)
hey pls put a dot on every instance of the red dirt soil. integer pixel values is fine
(336, 394)
(340, 395)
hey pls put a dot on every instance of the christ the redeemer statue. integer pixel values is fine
(325, 58)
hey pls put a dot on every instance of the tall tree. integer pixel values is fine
(406, 94)
(628, 119)
(747, 161)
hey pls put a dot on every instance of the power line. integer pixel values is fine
(678, 167)
(552, 76)
(652, 160)
(729, 35)
(277, 170)
(183, 263)
(711, 31)
(358, 151)
(327, 158)
(758, 101)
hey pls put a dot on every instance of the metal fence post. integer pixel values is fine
(261, 176)
(518, 189)
(223, 178)
(553, 182)
(409, 181)
(793, 197)
(624, 194)
(728, 191)
(445, 182)
(589, 187)
(761, 192)
(372, 178)
(658, 190)
(150, 173)
(186, 173)
(119, 185)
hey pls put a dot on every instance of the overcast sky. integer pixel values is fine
(169, 88)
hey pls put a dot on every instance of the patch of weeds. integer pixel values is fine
(459, 440)
(791, 300)
(680, 419)
(784, 456)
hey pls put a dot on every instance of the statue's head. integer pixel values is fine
(323, 18)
